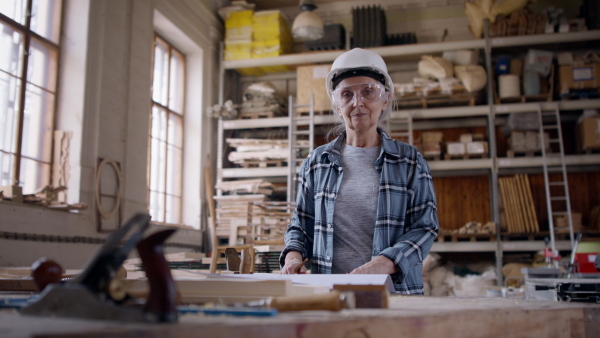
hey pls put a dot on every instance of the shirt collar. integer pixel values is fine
(333, 149)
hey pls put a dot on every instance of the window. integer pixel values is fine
(29, 45)
(166, 133)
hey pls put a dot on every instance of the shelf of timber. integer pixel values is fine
(266, 163)
(449, 157)
(511, 153)
(511, 237)
(258, 115)
(460, 98)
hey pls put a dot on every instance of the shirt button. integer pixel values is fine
(328, 226)
(328, 258)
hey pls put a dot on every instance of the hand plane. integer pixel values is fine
(93, 293)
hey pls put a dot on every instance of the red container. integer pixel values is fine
(585, 262)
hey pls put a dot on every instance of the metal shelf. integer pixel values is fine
(329, 57)
(449, 112)
(444, 165)
(507, 246)
(417, 49)
(541, 39)
(537, 161)
(502, 109)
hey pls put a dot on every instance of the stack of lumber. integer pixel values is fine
(243, 187)
(258, 151)
(232, 216)
(517, 201)
(267, 222)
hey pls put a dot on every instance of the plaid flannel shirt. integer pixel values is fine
(406, 223)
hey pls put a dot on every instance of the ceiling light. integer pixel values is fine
(307, 25)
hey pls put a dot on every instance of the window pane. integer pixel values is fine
(34, 175)
(173, 214)
(45, 18)
(9, 107)
(159, 124)
(41, 69)
(177, 82)
(175, 130)
(14, 9)
(161, 73)
(11, 45)
(174, 171)
(155, 207)
(7, 162)
(37, 124)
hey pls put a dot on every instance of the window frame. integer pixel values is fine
(28, 34)
(169, 113)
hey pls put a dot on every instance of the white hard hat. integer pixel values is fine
(355, 61)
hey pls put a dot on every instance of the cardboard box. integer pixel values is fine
(431, 148)
(538, 61)
(588, 133)
(311, 80)
(466, 138)
(578, 77)
(561, 223)
(432, 136)
(455, 148)
(477, 147)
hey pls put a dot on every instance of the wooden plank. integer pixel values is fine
(515, 207)
(530, 203)
(509, 206)
(428, 317)
(508, 217)
(521, 204)
(526, 203)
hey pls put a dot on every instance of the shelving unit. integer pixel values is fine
(487, 166)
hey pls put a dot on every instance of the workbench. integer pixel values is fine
(408, 316)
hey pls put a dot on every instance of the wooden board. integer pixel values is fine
(407, 316)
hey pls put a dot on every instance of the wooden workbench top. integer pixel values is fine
(408, 316)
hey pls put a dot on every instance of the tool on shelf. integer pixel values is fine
(97, 294)
(571, 266)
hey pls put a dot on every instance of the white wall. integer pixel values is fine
(104, 98)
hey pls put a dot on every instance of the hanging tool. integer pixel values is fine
(573, 253)
(94, 294)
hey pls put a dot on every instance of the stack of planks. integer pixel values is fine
(232, 215)
(517, 202)
(267, 222)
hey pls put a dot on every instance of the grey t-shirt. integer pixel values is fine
(355, 209)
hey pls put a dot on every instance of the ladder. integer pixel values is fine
(557, 190)
(401, 127)
(298, 139)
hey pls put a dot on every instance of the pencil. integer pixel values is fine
(297, 270)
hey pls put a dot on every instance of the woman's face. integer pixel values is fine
(359, 101)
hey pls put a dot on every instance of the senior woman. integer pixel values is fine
(365, 202)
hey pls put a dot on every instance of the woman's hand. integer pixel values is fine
(378, 265)
(292, 260)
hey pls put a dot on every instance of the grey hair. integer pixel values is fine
(339, 126)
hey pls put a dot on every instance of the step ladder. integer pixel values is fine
(401, 127)
(301, 136)
(557, 190)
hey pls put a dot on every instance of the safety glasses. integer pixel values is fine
(367, 92)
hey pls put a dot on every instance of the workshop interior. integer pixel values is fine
(150, 153)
